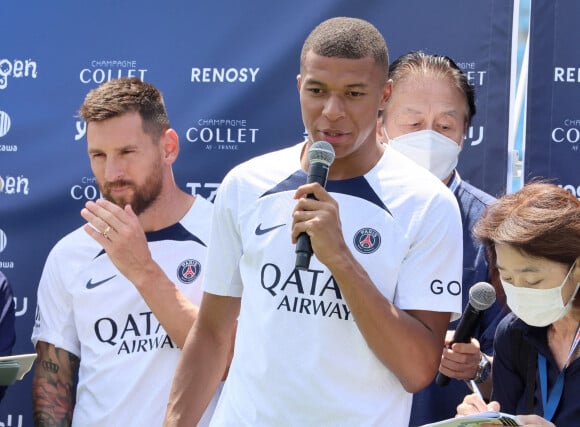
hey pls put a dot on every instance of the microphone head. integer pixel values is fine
(321, 152)
(481, 296)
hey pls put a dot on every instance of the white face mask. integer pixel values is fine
(538, 307)
(430, 149)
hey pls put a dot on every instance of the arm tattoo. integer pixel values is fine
(53, 386)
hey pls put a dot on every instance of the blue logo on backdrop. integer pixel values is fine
(566, 75)
(4, 123)
(17, 69)
(474, 136)
(88, 189)
(475, 76)
(106, 69)
(14, 185)
(3, 240)
(224, 75)
(222, 134)
(207, 190)
(4, 264)
(18, 420)
(569, 132)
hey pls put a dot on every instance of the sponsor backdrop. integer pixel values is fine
(228, 72)
(552, 141)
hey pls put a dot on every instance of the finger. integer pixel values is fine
(466, 409)
(468, 349)
(476, 401)
(108, 214)
(314, 188)
(453, 359)
(129, 210)
(95, 222)
(307, 204)
(449, 337)
(305, 211)
(111, 213)
(299, 216)
(96, 234)
(300, 223)
(451, 372)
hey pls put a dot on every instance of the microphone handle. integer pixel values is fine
(318, 172)
(463, 334)
(304, 248)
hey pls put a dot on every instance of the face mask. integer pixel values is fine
(430, 149)
(538, 307)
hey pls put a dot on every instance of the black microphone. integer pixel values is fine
(320, 156)
(481, 297)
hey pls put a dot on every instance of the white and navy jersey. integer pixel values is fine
(88, 308)
(299, 358)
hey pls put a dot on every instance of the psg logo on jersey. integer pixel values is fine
(188, 271)
(367, 240)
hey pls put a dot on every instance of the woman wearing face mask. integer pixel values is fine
(426, 117)
(533, 236)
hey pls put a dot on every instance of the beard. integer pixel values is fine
(143, 195)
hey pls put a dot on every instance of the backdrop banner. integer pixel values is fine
(552, 138)
(227, 70)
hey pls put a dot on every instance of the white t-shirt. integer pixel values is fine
(88, 308)
(299, 358)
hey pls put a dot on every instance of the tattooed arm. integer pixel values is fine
(53, 386)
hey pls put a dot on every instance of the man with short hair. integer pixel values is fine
(118, 296)
(345, 341)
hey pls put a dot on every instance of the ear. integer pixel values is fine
(576, 271)
(298, 81)
(387, 90)
(170, 144)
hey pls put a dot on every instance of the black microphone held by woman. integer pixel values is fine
(481, 297)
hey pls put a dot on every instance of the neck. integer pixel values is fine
(567, 325)
(167, 210)
(357, 163)
(560, 338)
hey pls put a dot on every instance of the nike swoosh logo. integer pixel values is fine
(91, 284)
(260, 230)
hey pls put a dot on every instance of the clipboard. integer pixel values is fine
(13, 368)
(496, 418)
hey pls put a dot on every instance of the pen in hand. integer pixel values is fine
(475, 389)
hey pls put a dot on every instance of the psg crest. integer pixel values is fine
(188, 271)
(367, 240)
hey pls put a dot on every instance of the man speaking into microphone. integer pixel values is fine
(345, 338)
